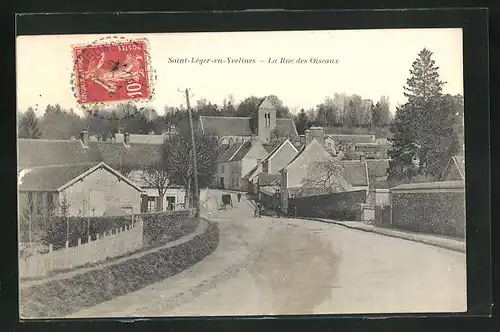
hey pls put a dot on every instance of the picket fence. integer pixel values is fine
(107, 245)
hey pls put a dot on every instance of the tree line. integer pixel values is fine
(341, 111)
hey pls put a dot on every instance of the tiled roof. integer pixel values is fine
(35, 152)
(266, 179)
(50, 178)
(226, 153)
(250, 174)
(276, 147)
(43, 152)
(226, 126)
(377, 167)
(266, 104)
(142, 139)
(245, 147)
(134, 155)
(355, 172)
(350, 138)
(286, 127)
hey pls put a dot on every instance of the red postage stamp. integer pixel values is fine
(112, 71)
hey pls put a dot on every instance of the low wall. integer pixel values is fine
(441, 213)
(340, 206)
(107, 245)
(62, 297)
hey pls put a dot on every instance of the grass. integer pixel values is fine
(188, 227)
(62, 297)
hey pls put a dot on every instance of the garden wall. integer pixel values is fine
(340, 206)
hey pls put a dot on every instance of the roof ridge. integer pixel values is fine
(224, 117)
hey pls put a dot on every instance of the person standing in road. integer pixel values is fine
(239, 197)
(257, 210)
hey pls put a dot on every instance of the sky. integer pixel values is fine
(370, 63)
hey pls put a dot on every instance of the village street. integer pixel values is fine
(291, 266)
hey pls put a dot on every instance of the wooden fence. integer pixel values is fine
(107, 245)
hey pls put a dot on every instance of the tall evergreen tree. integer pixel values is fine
(28, 126)
(301, 122)
(424, 136)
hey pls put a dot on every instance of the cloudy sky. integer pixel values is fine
(371, 63)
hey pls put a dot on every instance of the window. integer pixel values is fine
(151, 203)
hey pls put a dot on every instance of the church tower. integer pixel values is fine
(267, 119)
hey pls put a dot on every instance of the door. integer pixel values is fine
(221, 182)
(171, 203)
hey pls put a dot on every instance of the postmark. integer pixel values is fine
(112, 70)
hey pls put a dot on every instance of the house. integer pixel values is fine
(236, 161)
(299, 176)
(231, 130)
(124, 157)
(267, 169)
(174, 197)
(455, 169)
(85, 189)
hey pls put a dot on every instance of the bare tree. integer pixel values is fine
(157, 175)
(327, 177)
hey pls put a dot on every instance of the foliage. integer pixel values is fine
(28, 125)
(114, 280)
(158, 173)
(425, 128)
(301, 122)
(179, 149)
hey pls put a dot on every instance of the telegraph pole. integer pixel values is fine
(193, 149)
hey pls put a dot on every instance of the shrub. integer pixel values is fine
(80, 228)
(62, 297)
(158, 226)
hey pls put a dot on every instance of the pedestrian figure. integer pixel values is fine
(257, 210)
(278, 210)
(239, 197)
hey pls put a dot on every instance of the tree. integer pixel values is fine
(28, 126)
(424, 136)
(301, 122)
(249, 107)
(179, 147)
(327, 176)
(377, 115)
(157, 175)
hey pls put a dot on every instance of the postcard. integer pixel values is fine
(241, 173)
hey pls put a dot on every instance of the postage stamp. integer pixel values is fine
(112, 70)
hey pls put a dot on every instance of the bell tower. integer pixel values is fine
(267, 119)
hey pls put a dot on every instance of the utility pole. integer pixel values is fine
(193, 149)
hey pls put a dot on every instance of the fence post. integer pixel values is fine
(97, 236)
(89, 239)
(79, 241)
(51, 247)
(67, 244)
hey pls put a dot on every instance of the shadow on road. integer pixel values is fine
(294, 272)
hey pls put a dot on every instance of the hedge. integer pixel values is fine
(80, 228)
(436, 213)
(62, 297)
(161, 225)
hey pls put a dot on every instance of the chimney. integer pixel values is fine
(126, 139)
(302, 139)
(84, 137)
(308, 136)
(318, 134)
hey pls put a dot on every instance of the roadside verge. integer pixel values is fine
(433, 240)
(94, 286)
